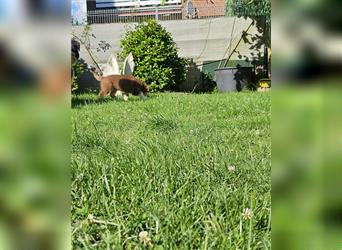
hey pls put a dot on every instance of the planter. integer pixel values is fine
(233, 79)
(264, 89)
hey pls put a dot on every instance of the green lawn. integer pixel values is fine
(182, 167)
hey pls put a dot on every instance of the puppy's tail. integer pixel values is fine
(96, 76)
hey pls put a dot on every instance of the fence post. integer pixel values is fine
(157, 17)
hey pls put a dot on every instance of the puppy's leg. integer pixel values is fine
(118, 93)
(125, 96)
(105, 89)
(113, 93)
(102, 93)
(142, 96)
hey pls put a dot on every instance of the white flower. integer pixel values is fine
(257, 132)
(247, 213)
(90, 218)
(143, 237)
(231, 168)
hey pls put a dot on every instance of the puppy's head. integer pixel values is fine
(145, 88)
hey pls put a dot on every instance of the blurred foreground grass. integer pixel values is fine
(34, 175)
(306, 167)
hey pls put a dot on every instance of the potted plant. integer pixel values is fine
(264, 85)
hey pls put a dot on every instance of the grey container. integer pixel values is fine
(232, 79)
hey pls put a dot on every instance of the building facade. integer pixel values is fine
(113, 11)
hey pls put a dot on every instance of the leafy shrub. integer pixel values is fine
(155, 56)
(209, 84)
(77, 70)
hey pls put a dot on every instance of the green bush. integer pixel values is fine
(155, 56)
(77, 69)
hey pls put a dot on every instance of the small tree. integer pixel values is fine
(155, 56)
(260, 12)
(257, 10)
(83, 39)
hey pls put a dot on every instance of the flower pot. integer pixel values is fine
(232, 79)
(264, 89)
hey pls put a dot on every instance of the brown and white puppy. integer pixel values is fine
(114, 84)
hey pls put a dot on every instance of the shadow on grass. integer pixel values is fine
(90, 99)
(79, 101)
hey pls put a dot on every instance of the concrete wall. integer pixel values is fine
(200, 39)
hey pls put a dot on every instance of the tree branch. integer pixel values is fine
(89, 52)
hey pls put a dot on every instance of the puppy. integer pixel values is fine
(114, 84)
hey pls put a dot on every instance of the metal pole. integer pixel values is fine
(157, 17)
